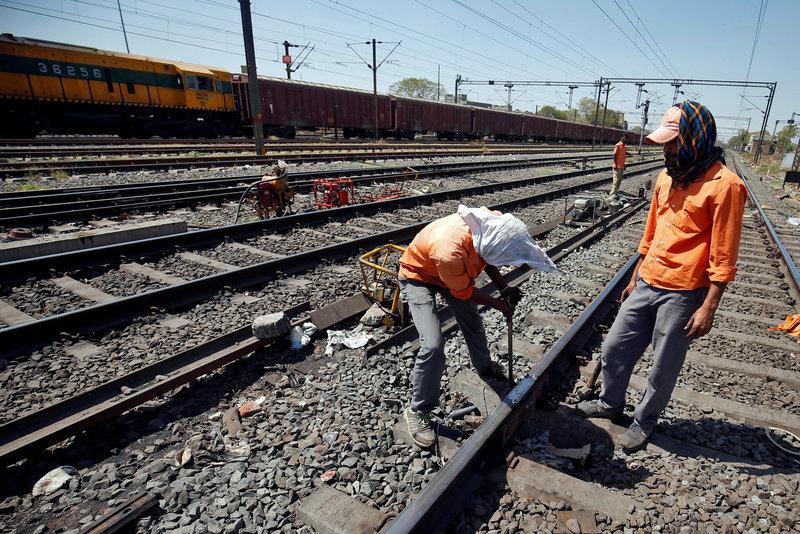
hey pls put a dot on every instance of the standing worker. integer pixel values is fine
(620, 152)
(445, 258)
(689, 251)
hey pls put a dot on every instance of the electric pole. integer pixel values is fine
(124, 33)
(571, 89)
(374, 66)
(252, 76)
(646, 106)
(287, 59)
(375, 84)
(438, 81)
(455, 96)
(509, 86)
(597, 110)
(605, 110)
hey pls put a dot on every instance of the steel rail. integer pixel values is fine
(772, 234)
(120, 164)
(444, 496)
(11, 272)
(83, 410)
(88, 408)
(49, 152)
(22, 338)
(14, 198)
(71, 207)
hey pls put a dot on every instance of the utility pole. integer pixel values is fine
(509, 86)
(677, 87)
(646, 106)
(597, 110)
(124, 33)
(287, 59)
(252, 76)
(455, 96)
(757, 155)
(571, 89)
(375, 84)
(605, 110)
(438, 81)
(374, 66)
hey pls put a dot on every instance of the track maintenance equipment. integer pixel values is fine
(273, 194)
(381, 283)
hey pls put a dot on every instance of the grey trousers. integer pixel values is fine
(430, 362)
(648, 314)
(616, 181)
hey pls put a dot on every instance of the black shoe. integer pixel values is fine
(495, 371)
(592, 408)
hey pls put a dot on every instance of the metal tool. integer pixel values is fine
(510, 323)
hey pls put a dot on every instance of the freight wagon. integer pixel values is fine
(63, 89)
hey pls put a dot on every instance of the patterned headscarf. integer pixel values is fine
(697, 134)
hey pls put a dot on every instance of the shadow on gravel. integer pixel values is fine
(152, 422)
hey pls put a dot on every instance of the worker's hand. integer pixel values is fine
(700, 323)
(627, 291)
(512, 295)
(503, 307)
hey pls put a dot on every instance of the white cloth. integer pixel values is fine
(504, 240)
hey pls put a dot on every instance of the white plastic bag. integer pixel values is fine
(351, 340)
(504, 240)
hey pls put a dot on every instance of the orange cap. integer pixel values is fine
(669, 129)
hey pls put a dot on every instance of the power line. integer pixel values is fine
(94, 25)
(651, 36)
(643, 38)
(524, 38)
(629, 38)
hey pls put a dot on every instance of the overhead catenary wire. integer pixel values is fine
(614, 22)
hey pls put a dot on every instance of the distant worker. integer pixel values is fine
(445, 258)
(618, 166)
(689, 251)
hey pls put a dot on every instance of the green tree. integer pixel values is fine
(785, 136)
(586, 111)
(554, 113)
(739, 140)
(417, 88)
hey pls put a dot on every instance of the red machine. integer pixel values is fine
(334, 192)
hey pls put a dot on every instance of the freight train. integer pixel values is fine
(70, 89)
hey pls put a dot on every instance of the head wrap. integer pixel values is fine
(697, 134)
(502, 239)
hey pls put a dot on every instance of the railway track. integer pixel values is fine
(291, 246)
(305, 396)
(24, 436)
(533, 465)
(49, 206)
(48, 152)
(23, 168)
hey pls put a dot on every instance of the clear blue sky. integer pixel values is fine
(480, 39)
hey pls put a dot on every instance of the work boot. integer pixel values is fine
(593, 408)
(495, 371)
(419, 428)
(634, 438)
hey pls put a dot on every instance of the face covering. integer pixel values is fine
(697, 134)
(504, 240)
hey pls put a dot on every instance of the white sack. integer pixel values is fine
(351, 340)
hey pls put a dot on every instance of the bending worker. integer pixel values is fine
(688, 256)
(618, 166)
(445, 258)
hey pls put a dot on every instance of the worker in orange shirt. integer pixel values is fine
(618, 166)
(445, 258)
(688, 256)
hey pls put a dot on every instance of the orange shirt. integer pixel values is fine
(619, 155)
(692, 235)
(442, 254)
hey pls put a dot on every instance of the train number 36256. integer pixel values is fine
(73, 71)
